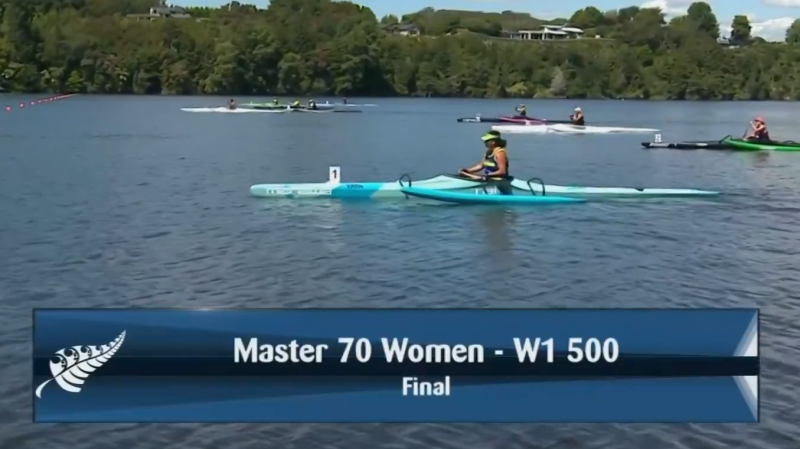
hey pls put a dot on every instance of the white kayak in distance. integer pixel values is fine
(334, 188)
(223, 110)
(563, 128)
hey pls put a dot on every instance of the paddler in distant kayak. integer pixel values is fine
(275, 100)
(522, 111)
(759, 130)
(231, 104)
(344, 100)
(494, 167)
(577, 118)
(312, 105)
(296, 104)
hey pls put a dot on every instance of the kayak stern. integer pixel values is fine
(324, 190)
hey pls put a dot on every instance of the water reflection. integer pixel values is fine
(762, 159)
(498, 225)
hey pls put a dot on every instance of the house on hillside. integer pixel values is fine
(162, 11)
(403, 29)
(547, 32)
(175, 12)
(726, 42)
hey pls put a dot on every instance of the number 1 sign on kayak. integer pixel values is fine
(317, 365)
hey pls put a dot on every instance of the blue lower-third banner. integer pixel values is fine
(319, 365)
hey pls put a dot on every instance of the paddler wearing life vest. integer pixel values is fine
(522, 111)
(759, 130)
(494, 166)
(577, 117)
(231, 104)
(312, 105)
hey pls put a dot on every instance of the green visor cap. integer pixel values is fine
(490, 136)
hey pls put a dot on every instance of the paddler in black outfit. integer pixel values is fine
(522, 111)
(494, 167)
(577, 118)
(231, 104)
(312, 105)
(344, 100)
(760, 131)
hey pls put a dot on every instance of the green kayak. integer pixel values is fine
(754, 145)
(268, 106)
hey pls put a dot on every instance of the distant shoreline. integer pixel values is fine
(410, 97)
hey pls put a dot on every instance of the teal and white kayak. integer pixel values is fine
(479, 197)
(334, 188)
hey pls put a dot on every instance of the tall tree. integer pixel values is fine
(389, 19)
(700, 13)
(793, 33)
(740, 30)
(589, 17)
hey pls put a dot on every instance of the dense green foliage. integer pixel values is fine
(323, 47)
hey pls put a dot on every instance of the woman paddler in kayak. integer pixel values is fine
(577, 118)
(759, 130)
(494, 167)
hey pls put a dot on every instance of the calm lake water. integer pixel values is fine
(129, 201)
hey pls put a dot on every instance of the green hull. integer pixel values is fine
(269, 106)
(745, 145)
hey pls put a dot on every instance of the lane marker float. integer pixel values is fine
(41, 101)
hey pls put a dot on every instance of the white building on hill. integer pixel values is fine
(548, 32)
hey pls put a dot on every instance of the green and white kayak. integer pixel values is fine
(267, 106)
(334, 188)
(754, 145)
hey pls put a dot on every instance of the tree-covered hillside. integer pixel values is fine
(339, 48)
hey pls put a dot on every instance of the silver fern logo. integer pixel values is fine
(72, 366)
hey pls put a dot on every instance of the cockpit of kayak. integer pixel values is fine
(486, 194)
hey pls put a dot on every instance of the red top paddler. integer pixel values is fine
(760, 131)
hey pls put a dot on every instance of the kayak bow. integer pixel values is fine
(532, 121)
(512, 120)
(478, 119)
(519, 120)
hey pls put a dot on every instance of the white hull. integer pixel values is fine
(224, 110)
(567, 129)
